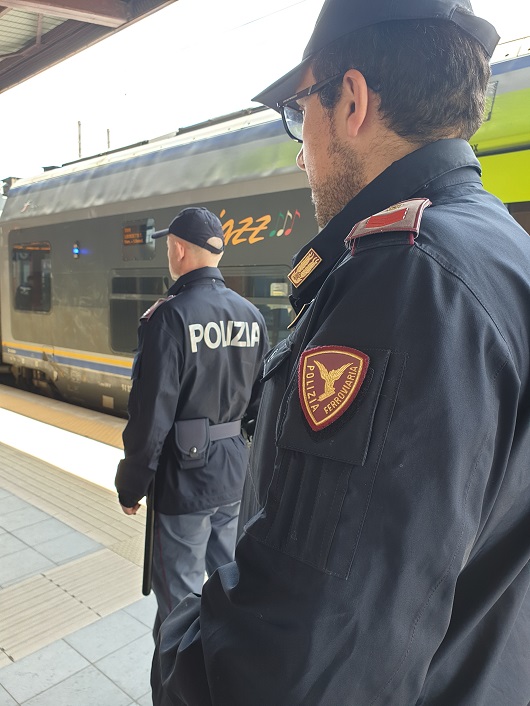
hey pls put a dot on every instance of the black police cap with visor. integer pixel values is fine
(196, 225)
(339, 18)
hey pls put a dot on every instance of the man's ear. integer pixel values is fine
(181, 250)
(354, 100)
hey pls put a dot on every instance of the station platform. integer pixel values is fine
(75, 629)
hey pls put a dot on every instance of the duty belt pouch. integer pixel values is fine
(192, 442)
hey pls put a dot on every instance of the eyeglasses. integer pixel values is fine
(293, 115)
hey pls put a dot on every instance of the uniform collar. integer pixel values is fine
(420, 173)
(203, 273)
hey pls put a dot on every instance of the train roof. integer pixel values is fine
(507, 51)
(506, 127)
(244, 148)
(195, 163)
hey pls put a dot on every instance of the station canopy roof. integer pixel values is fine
(36, 34)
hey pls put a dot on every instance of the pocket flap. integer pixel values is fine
(276, 357)
(192, 437)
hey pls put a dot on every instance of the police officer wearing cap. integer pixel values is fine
(386, 562)
(195, 381)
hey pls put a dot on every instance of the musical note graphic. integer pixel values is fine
(290, 230)
(275, 231)
(282, 229)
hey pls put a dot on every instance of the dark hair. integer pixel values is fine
(430, 75)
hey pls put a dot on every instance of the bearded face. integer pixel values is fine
(335, 186)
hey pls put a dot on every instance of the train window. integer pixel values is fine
(31, 276)
(131, 295)
(267, 288)
(137, 243)
(521, 213)
(139, 285)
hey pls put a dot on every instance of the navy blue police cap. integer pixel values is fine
(338, 18)
(197, 225)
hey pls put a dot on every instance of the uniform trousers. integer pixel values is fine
(185, 548)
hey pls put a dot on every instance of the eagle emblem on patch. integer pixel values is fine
(329, 379)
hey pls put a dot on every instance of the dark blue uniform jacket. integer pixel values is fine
(389, 561)
(200, 355)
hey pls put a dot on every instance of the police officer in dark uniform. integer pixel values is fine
(195, 381)
(387, 562)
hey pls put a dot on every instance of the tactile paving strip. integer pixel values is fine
(37, 612)
(47, 607)
(93, 425)
(131, 549)
(102, 581)
(85, 506)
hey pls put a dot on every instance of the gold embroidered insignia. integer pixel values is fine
(329, 379)
(307, 264)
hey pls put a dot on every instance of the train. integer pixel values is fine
(79, 265)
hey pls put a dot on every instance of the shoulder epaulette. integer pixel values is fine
(147, 314)
(404, 216)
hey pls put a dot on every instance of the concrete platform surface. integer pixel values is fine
(75, 629)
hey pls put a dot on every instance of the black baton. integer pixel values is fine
(149, 540)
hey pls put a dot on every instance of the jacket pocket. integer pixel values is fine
(321, 486)
(192, 442)
(262, 447)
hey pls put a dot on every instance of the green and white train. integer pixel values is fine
(503, 142)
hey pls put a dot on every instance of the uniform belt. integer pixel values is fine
(225, 431)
